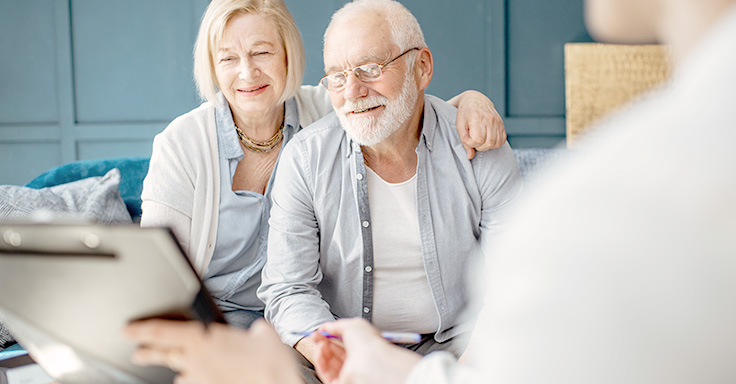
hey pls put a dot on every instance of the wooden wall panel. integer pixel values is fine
(312, 18)
(535, 55)
(85, 79)
(133, 59)
(92, 149)
(21, 162)
(28, 83)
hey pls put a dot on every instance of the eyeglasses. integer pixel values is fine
(366, 73)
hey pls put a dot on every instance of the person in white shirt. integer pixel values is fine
(621, 266)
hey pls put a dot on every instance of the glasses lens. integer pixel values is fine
(325, 82)
(368, 72)
(335, 81)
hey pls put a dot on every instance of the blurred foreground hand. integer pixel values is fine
(218, 354)
(363, 357)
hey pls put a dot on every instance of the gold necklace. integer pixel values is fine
(261, 146)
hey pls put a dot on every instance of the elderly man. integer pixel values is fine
(377, 213)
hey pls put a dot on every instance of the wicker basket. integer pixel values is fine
(601, 77)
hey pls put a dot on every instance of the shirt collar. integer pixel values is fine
(291, 119)
(227, 137)
(429, 128)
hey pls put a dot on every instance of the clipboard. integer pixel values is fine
(67, 291)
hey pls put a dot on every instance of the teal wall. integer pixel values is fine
(84, 79)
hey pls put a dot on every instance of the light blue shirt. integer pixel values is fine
(234, 273)
(320, 254)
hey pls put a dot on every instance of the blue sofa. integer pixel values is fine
(133, 170)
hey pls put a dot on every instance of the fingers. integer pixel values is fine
(366, 356)
(478, 122)
(336, 328)
(148, 356)
(476, 129)
(329, 360)
(493, 137)
(258, 326)
(464, 136)
(162, 334)
(496, 134)
(482, 130)
(172, 358)
(175, 360)
(470, 151)
(262, 330)
(353, 331)
(163, 342)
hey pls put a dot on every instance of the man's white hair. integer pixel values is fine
(404, 27)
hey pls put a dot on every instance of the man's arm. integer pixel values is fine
(292, 271)
(308, 347)
(500, 184)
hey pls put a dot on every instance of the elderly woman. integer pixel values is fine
(211, 170)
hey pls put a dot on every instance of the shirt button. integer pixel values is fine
(368, 268)
(366, 224)
(359, 176)
(366, 309)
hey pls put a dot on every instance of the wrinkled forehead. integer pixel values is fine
(356, 40)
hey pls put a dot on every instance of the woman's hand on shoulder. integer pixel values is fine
(478, 122)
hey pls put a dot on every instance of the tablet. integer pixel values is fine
(67, 291)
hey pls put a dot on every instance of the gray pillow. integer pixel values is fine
(94, 199)
(5, 339)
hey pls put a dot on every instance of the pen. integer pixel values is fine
(394, 337)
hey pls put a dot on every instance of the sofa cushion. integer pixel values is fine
(5, 339)
(93, 199)
(132, 172)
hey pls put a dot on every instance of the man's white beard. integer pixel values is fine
(371, 130)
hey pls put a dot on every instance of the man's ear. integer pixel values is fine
(424, 68)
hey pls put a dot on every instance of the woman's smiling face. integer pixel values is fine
(250, 65)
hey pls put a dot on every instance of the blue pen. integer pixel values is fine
(394, 337)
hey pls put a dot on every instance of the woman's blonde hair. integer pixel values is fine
(218, 13)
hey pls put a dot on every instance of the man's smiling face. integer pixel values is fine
(370, 111)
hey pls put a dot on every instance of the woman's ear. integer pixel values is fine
(424, 68)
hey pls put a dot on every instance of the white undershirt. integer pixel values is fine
(402, 300)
